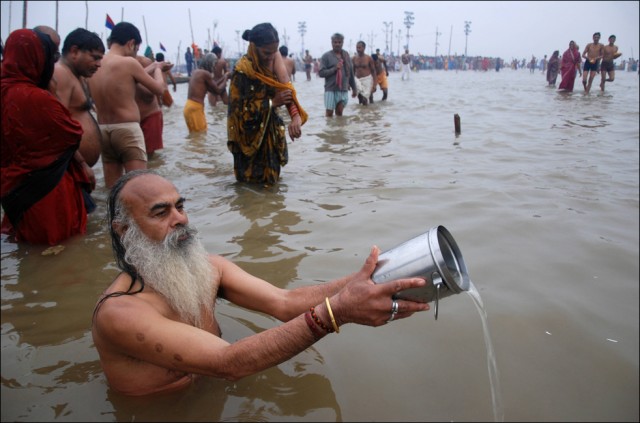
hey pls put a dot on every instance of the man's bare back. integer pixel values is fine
(114, 86)
(146, 101)
(290, 64)
(220, 72)
(202, 82)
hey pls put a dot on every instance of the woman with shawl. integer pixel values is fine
(552, 68)
(571, 61)
(259, 85)
(41, 182)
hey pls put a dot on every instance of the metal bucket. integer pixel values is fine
(435, 256)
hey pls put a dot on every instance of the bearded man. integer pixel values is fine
(155, 327)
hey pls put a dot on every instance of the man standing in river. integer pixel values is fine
(82, 54)
(113, 88)
(366, 77)
(608, 67)
(593, 53)
(337, 70)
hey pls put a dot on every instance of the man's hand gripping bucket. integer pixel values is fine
(435, 256)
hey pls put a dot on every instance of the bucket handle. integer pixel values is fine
(437, 282)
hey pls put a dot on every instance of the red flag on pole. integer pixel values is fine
(109, 23)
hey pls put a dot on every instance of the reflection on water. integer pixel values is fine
(540, 188)
(279, 395)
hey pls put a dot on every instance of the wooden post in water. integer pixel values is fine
(456, 123)
(24, 14)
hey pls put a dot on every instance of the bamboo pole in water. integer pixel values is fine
(146, 38)
(24, 14)
(86, 18)
(9, 26)
(57, 9)
(178, 56)
(193, 41)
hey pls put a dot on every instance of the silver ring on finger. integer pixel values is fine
(394, 311)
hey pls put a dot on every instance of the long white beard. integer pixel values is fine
(178, 270)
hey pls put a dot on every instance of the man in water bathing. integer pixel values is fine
(610, 53)
(593, 52)
(155, 327)
(82, 54)
(113, 88)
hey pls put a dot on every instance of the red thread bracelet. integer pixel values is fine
(319, 322)
(316, 333)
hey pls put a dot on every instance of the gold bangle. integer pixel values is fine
(333, 320)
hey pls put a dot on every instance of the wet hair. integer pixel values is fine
(596, 33)
(361, 42)
(208, 62)
(612, 36)
(337, 36)
(217, 50)
(261, 35)
(50, 50)
(159, 57)
(124, 32)
(117, 213)
(284, 50)
(84, 40)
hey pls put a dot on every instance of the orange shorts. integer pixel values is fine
(382, 80)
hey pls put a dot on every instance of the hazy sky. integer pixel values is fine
(506, 29)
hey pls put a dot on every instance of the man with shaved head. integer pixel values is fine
(155, 326)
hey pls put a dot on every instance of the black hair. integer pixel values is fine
(217, 50)
(261, 35)
(284, 50)
(124, 32)
(159, 57)
(116, 212)
(84, 40)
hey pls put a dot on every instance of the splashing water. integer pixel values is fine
(496, 395)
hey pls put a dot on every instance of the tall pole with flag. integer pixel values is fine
(109, 22)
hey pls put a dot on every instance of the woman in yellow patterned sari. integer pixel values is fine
(256, 134)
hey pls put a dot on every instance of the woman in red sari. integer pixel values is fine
(571, 62)
(41, 182)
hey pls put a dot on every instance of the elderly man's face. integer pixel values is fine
(155, 205)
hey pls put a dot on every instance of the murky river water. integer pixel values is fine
(540, 192)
